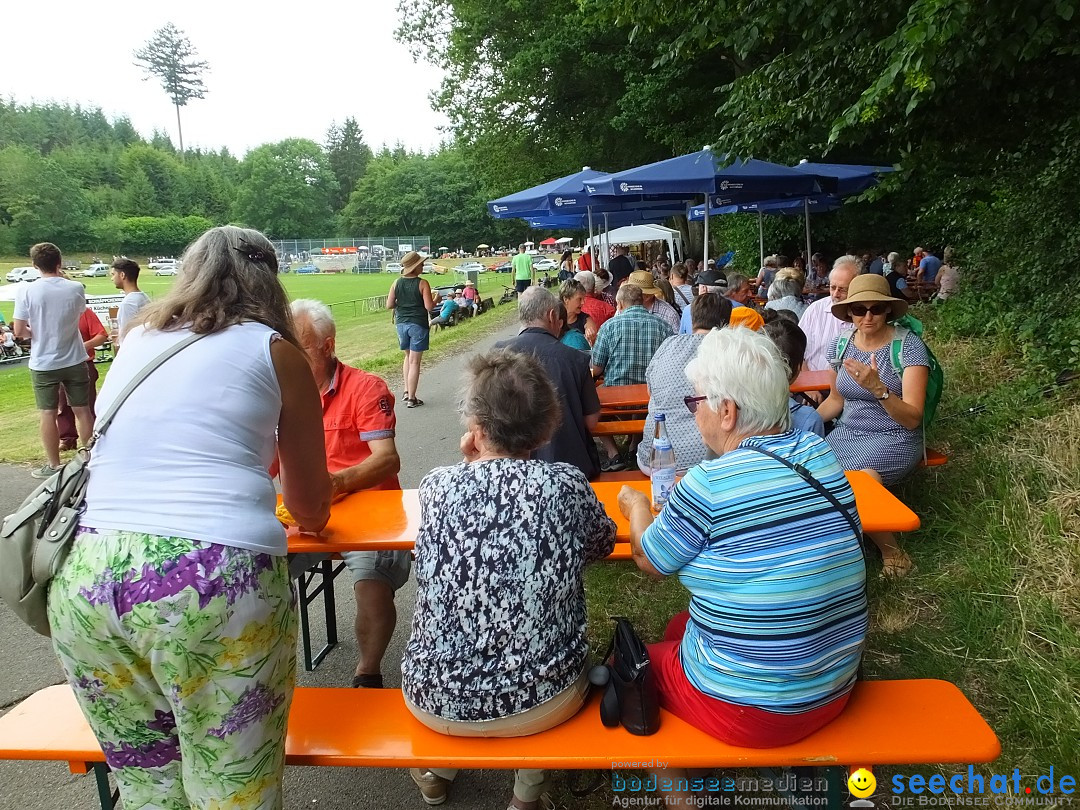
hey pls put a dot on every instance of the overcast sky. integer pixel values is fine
(277, 70)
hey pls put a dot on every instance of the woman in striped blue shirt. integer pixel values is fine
(769, 649)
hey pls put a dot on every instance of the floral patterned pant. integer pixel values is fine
(182, 655)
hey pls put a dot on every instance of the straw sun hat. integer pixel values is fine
(412, 263)
(645, 280)
(869, 289)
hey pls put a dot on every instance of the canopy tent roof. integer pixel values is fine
(705, 172)
(482, 247)
(843, 178)
(551, 240)
(564, 240)
(632, 234)
(550, 196)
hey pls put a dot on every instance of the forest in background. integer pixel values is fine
(974, 103)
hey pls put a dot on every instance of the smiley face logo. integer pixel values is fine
(861, 783)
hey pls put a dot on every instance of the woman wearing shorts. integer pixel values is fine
(410, 298)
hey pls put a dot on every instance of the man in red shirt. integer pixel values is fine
(359, 426)
(93, 335)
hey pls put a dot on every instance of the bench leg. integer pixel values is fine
(327, 573)
(106, 796)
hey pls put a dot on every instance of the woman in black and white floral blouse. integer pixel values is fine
(498, 646)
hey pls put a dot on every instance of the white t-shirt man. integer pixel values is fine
(52, 306)
(128, 309)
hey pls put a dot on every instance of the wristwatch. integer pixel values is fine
(884, 396)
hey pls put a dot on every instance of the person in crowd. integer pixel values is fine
(524, 274)
(11, 348)
(668, 386)
(896, 275)
(653, 299)
(818, 276)
(594, 304)
(497, 649)
(916, 260)
(765, 276)
(791, 341)
(585, 260)
(680, 285)
(667, 293)
(624, 346)
(410, 299)
(359, 427)
(691, 266)
(571, 337)
(786, 292)
(566, 266)
(603, 287)
(877, 263)
(928, 268)
(568, 369)
(125, 276)
(818, 322)
(790, 543)
(879, 410)
(446, 311)
(93, 334)
(173, 616)
(620, 267)
(572, 294)
(707, 281)
(470, 298)
(948, 277)
(47, 312)
(799, 263)
(739, 290)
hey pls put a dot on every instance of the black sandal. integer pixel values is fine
(414, 403)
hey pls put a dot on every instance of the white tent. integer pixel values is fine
(632, 234)
(564, 240)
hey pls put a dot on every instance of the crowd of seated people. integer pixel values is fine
(495, 648)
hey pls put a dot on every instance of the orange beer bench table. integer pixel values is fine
(913, 722)
(380, 520)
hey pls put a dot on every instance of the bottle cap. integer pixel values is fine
(658, 417)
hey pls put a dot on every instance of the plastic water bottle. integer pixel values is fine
(662, 464)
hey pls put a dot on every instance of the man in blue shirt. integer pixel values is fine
(449, 306)
(928, 268)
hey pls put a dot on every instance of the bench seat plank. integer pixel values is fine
(885, 723)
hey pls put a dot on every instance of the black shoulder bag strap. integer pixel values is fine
(805, 475)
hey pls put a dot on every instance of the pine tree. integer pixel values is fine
(171, 57)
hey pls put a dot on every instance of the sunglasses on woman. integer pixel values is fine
(859, 310)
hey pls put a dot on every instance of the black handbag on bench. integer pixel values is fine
(631, 697)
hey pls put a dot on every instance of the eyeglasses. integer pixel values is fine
(859, 310)
(692, 402)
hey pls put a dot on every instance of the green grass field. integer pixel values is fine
(366, 340)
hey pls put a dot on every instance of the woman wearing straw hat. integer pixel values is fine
(410, 298)
(880, 411)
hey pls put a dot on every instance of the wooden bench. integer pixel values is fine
(885, 723)
(619, 427)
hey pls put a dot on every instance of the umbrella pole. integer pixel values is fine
(607, 244)
(806, 216)
(705, 260)
(592, 246)
(761, 237)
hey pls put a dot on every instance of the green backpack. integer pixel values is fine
(935, 384)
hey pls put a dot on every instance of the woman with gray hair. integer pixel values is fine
(786, 293)
(769, 649)
(498, 645)
(174, 616)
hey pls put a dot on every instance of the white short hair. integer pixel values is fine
(586, 279)
(744, 366)
(847, 260)
(317, 313)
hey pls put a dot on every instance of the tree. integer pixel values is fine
(171, 58)
(285, 190)
(349, 157)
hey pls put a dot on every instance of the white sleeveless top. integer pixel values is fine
(188, 452)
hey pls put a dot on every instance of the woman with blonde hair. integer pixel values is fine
(174, 616)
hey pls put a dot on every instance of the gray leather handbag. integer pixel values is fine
(36, 538)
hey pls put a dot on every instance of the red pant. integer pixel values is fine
(65, 419)
(745, 726)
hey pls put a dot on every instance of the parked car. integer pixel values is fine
(468, 266)
(156, 264)
(24, 274)
(96, 270)
(505, 267)
(393, 267)
(431, 267)
(544, 264)
(306, 268)
(165, 269)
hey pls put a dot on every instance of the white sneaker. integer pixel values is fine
(47, 471)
